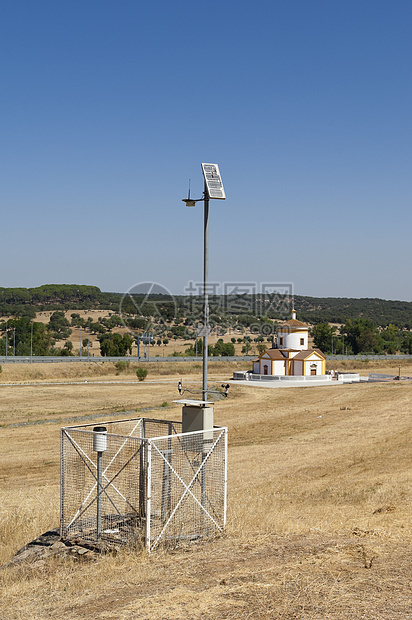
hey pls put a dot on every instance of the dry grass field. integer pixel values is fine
(319, 506)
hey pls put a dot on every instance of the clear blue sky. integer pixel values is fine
(108, 108)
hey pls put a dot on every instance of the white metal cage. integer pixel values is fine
(150, 484)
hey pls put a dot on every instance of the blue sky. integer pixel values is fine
(108, 108)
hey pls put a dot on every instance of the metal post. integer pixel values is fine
(99, 496)
(88, 345)
(148, 493)
(99, 446)
(205, 291)
(225, 483)
(31, 343)
(203, 489)
(80, 354)
(62, 481)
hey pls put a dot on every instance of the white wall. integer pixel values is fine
(291, 340)
(278, 367)
(313, 359)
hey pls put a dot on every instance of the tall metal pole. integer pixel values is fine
(31, 343)
(99, 497)
(205, 291)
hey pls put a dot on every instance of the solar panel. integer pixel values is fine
(213, 181)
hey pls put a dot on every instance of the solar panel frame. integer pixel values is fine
(213, 181)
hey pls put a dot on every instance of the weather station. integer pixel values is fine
(145, 481)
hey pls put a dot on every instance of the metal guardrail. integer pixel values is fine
(369, 357)
(27, 359)
(382, 377)
(37, 359)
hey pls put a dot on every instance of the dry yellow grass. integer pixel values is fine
(319, 522)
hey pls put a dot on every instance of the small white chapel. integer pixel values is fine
(292, 357)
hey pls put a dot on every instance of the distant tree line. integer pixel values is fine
(361, 336)
(243, 309)
(366, 325)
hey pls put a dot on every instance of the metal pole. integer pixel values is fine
(31, 343)
(88, 345)
(225, 483)
(7, 337)
(99, 496)
(205, 291)
(80, 354)
(148, 493)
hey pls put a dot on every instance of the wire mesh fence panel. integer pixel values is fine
(187, 487)
(132, 427)
(158, 428)
(140, 486)
(111, 510)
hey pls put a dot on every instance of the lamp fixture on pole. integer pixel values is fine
(213, 188)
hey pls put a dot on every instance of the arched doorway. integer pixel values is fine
(313, 369)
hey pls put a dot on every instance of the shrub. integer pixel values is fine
(141, 373)
(122, 366)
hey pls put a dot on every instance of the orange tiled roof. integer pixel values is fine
(293, 323)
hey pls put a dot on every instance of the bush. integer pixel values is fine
(141, 373)
(122, 366)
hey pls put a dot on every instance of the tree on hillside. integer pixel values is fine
(115, 345)
(225, 349)
(59, 325)
(77, 320)
(362, 336)
(406, 346)
(26, 337)
(391, 339)
(322, 336)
